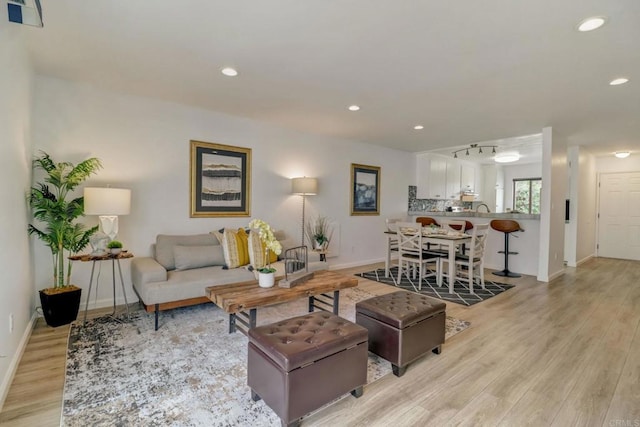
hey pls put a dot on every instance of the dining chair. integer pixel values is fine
(411, 254)
(391, 224)
(471, 265)
(455, 225)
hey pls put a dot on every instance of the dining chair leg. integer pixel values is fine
(470, 272)
(400, 265)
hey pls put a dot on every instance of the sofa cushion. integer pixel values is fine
(165, 244)
(186, 284)
(187, 257)
(235, 244)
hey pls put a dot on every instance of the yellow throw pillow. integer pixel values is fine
(235, 246)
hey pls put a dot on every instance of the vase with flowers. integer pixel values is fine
(266, 278)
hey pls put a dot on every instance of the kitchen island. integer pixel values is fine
(526, 243)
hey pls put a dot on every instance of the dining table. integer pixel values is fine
(450, 240)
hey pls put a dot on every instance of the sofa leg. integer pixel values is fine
(398, 371)
(254, 396)
(157, 311)
(357, 392)
(437, 350)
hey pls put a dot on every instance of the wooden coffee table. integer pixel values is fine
(238, 298)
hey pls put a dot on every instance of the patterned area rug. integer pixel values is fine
(461, 293)
(191, 372)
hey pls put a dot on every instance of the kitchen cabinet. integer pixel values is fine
(438, 177)
(452, 180)
(468, 178)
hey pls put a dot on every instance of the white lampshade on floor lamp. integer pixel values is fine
(304, 187)
(107, 203)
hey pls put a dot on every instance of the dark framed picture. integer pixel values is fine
(220, 180)
(365, 190)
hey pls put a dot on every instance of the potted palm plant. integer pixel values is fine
(55, 212)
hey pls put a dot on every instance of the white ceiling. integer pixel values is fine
(467, 70)
(528, 147)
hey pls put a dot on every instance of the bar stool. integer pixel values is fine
(468, 225)
(506, 226)
(426, 221)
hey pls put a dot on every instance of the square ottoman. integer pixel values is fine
(403, 326)
(300, 364)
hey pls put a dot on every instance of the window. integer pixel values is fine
(526, 195)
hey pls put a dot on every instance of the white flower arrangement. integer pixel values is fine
(270, 242)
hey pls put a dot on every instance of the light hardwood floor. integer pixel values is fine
(562, 354)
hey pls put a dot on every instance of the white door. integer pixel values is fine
(619, 216)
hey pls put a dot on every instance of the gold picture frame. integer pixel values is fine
(365, 189)
(220, 180)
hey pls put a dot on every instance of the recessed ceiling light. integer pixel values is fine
(418, 127)
(622, 154)
(618, 81)
(230, 72)
(591, 24)
(507, 157)
(354, 108)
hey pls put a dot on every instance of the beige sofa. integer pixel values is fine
(182, 266)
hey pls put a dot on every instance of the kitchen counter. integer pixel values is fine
(493, 215)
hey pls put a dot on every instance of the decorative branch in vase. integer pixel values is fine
(319, 232)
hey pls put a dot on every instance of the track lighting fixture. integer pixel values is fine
(473, 147)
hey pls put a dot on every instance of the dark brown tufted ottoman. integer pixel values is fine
(402, 326)
(299, 364)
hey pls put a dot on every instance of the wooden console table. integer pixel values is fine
(237, 298)
(115, 259)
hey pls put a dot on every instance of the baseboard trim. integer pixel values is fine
(15, 361)
(355, 264)
(551, 277)
(585, 259)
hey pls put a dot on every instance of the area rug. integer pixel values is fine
(191, 372)
(460, 295)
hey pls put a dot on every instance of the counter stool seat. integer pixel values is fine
(300, 364)
(506, 226)
(403, 326)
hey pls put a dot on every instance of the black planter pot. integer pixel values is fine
(61, 308)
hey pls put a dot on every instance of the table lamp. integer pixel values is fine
(107, 203)
(304, 187)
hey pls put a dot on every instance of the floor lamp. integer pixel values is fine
(107, 203)
(304, 187)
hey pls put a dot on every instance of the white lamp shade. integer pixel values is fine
(304, 186)
(107, 201)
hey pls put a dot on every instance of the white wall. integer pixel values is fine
(613, 164)
(511, 172)
(16, 285)
(554, 182)
(587, 208)
(571, 227)
(144, 145)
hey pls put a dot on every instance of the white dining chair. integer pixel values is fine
(473, 263)
(391, 224)
(411, 254)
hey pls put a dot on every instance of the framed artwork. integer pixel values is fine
(220, 180)
(365, 190)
